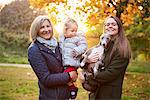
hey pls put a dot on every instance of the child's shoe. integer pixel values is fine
(73, 93)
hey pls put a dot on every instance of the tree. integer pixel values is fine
(17, 16)
(43, 3)
(15, 21)
(97, 10)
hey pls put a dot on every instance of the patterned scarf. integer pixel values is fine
(51, 44)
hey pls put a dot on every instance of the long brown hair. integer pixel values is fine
(121, 42)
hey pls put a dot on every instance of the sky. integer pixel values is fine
(5, 1)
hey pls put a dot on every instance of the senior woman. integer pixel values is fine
(45, 59)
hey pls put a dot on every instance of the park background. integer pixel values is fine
(17, 83)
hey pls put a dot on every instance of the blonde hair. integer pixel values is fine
(36, 25)
(68, 22)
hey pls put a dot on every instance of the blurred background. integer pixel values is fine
(16, 17)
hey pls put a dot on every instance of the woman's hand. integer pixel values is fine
(92, 58)
(73, 75)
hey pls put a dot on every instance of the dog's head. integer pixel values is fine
(104, 39)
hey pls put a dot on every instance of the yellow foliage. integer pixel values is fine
(94, 9)
(141, 57)
(43, 3)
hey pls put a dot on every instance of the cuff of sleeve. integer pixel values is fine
(69, 77)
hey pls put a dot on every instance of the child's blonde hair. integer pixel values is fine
(68, 22)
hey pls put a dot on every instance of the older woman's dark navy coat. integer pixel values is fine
(49, 70)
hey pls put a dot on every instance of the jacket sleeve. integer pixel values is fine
(82, 45)
(112, 71)
(40, 68)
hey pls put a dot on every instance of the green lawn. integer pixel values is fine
(14, 59)
(139, 66)
(21, 84)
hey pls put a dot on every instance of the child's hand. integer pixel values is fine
(74, 54)
(73, 76)
(70, 83)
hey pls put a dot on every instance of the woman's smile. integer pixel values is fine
(46, 31)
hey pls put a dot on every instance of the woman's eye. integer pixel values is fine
(41, 27)
(48, 26)
(114, 24)
(107, 24)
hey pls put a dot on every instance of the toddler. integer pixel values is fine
(73, 45)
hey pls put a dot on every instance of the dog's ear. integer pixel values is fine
(99, 43)
(101, 38)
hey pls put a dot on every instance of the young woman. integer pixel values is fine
(46, 61)
(117, 55)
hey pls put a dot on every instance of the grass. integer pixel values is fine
(9, 55)
(14, 59)
(21, 84)
(136, 86)
(17, 84)
(139, 66)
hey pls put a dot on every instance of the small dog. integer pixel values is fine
(93, 68)
(104, 40)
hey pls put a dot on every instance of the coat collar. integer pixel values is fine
(47, 50)
(42, 47)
